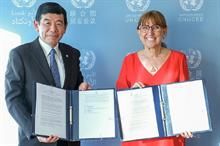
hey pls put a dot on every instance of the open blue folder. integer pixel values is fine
(163, 110)
(74, 115)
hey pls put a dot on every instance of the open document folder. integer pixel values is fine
(163, 110)
(74, 115)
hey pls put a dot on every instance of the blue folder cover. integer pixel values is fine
(71, 111)
(167, 120)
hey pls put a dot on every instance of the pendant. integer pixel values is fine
(153, 69)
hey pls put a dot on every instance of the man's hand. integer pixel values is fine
(50, 139)
(84, 86)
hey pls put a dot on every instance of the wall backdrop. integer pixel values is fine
(105, 31)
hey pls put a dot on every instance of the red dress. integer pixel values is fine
(174, 69)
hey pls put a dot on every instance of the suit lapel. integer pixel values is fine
(40, 59)
(66, 60)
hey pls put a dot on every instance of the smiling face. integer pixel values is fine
(152, 29)
(151, 34)
(51, 28)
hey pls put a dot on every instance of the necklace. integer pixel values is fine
(152, 63)
(153, 68)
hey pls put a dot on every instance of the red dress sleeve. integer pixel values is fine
(122, 78)
(184, 72)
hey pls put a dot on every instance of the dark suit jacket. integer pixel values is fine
(28, 64)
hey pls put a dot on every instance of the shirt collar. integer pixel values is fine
(47, 48)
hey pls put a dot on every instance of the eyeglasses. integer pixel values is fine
(146, 28)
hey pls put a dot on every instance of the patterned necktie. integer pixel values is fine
(54, 68)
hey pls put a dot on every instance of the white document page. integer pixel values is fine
(137, 113)
(187, 107)
(96, 114)
(50, 114)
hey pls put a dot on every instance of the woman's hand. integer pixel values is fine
(138, 85)
(186, 134)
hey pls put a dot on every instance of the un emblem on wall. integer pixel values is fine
(191, 5)
(82, 3)
(137, 5)
(194, 58)
(87, 60)
(24, 3)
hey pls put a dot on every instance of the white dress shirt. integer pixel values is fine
(58, 56)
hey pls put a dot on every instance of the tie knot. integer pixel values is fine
(52, 51)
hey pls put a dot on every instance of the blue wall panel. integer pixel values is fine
(105, 31)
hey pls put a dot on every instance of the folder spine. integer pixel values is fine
(166, 111)
(69, 119)
(71, 112)
(163, 105)
(159, 110)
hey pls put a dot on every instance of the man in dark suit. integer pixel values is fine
(30, 63)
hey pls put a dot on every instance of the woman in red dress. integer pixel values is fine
(153, 65)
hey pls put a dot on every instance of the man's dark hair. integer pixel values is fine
(50, 7)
